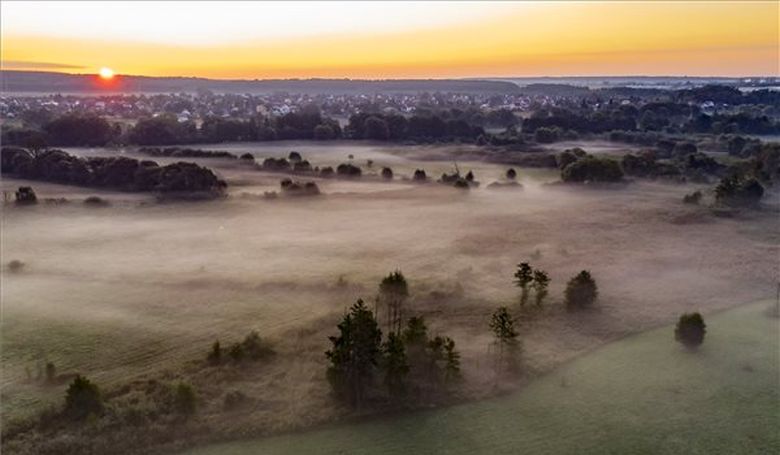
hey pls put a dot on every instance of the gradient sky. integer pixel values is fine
(393, 39)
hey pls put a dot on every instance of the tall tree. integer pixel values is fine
(523, 277)
(540, 283)
(393, 292)
(452, 358)
(354, 355)
(395, 364)
(503, 326)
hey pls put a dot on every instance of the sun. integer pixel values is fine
(106, 73)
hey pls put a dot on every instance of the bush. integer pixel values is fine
(546, 135)
(592, 169)
(569, 156)
(25, 195)
(82, 399)
(251, 348)
(693, 198)
(95, 201)
(511, 174)
(387, 173)
(419, 176)
(690, 330)
(581, 290)
(348, 170)
(326, 172)
(299, 189)
(739, 191)
(15, 266)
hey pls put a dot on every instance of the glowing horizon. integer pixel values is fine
(394, 40)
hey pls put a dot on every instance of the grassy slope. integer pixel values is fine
(644, 394)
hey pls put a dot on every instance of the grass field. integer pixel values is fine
(643, 394)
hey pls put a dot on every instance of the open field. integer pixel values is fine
(643, 394)
(140, 289)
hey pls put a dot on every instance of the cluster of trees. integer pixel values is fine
(121, 173)
(579, 167)
(184, 152)
(396, 127)
(292, 188)
(90, 130)
(458, 181)
(408, 360)
(537, 279)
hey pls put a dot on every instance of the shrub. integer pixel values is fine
(419, 175)
(592, 169)
(326, 172)
(25, 195)
(581, 290)
(82, 399)
(569, 156)
(511, 174)
(95, 201)
(739, 191)
(546, 135)
(387, 173)
(348, 170)
(690, 330)
(294, 157)
(247, 157)
(693, 198)
(15, 266)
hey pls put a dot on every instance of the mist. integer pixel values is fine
(140, 289)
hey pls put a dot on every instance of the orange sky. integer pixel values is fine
(378, 40)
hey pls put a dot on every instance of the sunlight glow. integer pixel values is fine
(106, 73)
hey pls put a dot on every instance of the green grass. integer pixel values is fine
(644, 394)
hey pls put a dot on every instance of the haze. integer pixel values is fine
(393, 40)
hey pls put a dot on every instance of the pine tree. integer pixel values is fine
(355, 353)
(393, 292)
(395, 364)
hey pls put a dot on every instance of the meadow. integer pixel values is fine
(140, 289)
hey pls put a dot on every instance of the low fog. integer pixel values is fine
(140, 289)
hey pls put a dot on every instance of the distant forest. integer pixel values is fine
(48, 82)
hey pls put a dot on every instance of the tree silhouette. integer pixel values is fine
(354, 354)
(395, 364)
(523, 277)
(540, 283)
(503, 326)
(393, 292)
(581, 290)
(690, 330)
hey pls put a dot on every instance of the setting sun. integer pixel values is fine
(106, 73)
